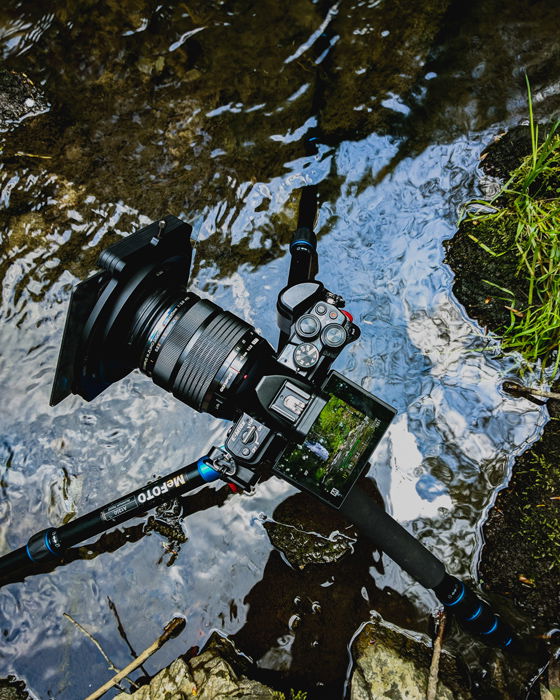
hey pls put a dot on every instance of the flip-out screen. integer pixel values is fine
(340, 441)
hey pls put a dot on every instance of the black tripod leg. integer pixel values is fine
(50, 544)
(472, 613)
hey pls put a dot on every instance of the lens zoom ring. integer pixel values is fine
(181, 333)
(227, 341)
(205, 358)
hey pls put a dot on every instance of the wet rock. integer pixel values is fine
(208, 676)
(12, 689)
(307, 532)
(391, 666)
(19, 99)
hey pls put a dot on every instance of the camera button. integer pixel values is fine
(321, 309)
(306, 355)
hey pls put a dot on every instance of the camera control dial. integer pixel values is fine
(334, 335)
(308, 326)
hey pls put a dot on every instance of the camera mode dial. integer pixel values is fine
(306, 355)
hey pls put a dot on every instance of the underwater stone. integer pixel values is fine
(19, 99)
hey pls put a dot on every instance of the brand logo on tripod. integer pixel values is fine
(155, 491)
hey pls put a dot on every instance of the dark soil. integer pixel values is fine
(474, 268)
(520, 557)
(521, 552)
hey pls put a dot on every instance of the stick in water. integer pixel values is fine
(172, 629)
(533, 391)
(434, 666)
(110, 665)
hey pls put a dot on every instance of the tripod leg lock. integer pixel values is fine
(472, 613)
(44, 545)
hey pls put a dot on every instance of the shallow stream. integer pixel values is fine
(200, 110)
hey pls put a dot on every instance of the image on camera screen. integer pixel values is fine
(340, 441)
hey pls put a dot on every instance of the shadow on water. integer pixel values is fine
(201, 109)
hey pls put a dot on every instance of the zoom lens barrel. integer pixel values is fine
(205, 356)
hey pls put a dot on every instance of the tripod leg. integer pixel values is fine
(51, 543)
(472, 613)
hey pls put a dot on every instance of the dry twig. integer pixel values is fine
(434, 666)
(532, 391)
(172, 629)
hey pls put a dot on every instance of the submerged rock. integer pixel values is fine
(307, 532)
(12, 689)
(20, 98)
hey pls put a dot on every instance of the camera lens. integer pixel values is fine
(203, 355)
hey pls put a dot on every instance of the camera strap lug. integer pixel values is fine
(231, 471)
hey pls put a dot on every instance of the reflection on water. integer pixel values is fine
(200, 110)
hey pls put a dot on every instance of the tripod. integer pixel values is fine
(474, 614)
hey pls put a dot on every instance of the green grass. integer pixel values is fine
(525, 224)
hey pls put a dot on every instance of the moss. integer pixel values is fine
(521, 556)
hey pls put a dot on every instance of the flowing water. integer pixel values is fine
(199, 110)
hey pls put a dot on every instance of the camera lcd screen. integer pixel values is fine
(339, 443)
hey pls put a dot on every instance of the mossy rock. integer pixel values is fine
(391, 666)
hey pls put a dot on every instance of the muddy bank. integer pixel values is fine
(520, 557)
(521, 552)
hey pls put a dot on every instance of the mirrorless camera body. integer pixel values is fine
(292, 414)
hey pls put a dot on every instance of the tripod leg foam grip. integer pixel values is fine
(387, 534)
(473, 614)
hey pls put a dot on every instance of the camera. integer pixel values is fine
(292, 415)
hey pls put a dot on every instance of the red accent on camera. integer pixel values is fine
(348, 315)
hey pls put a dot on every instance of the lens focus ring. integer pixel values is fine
(203, 355)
